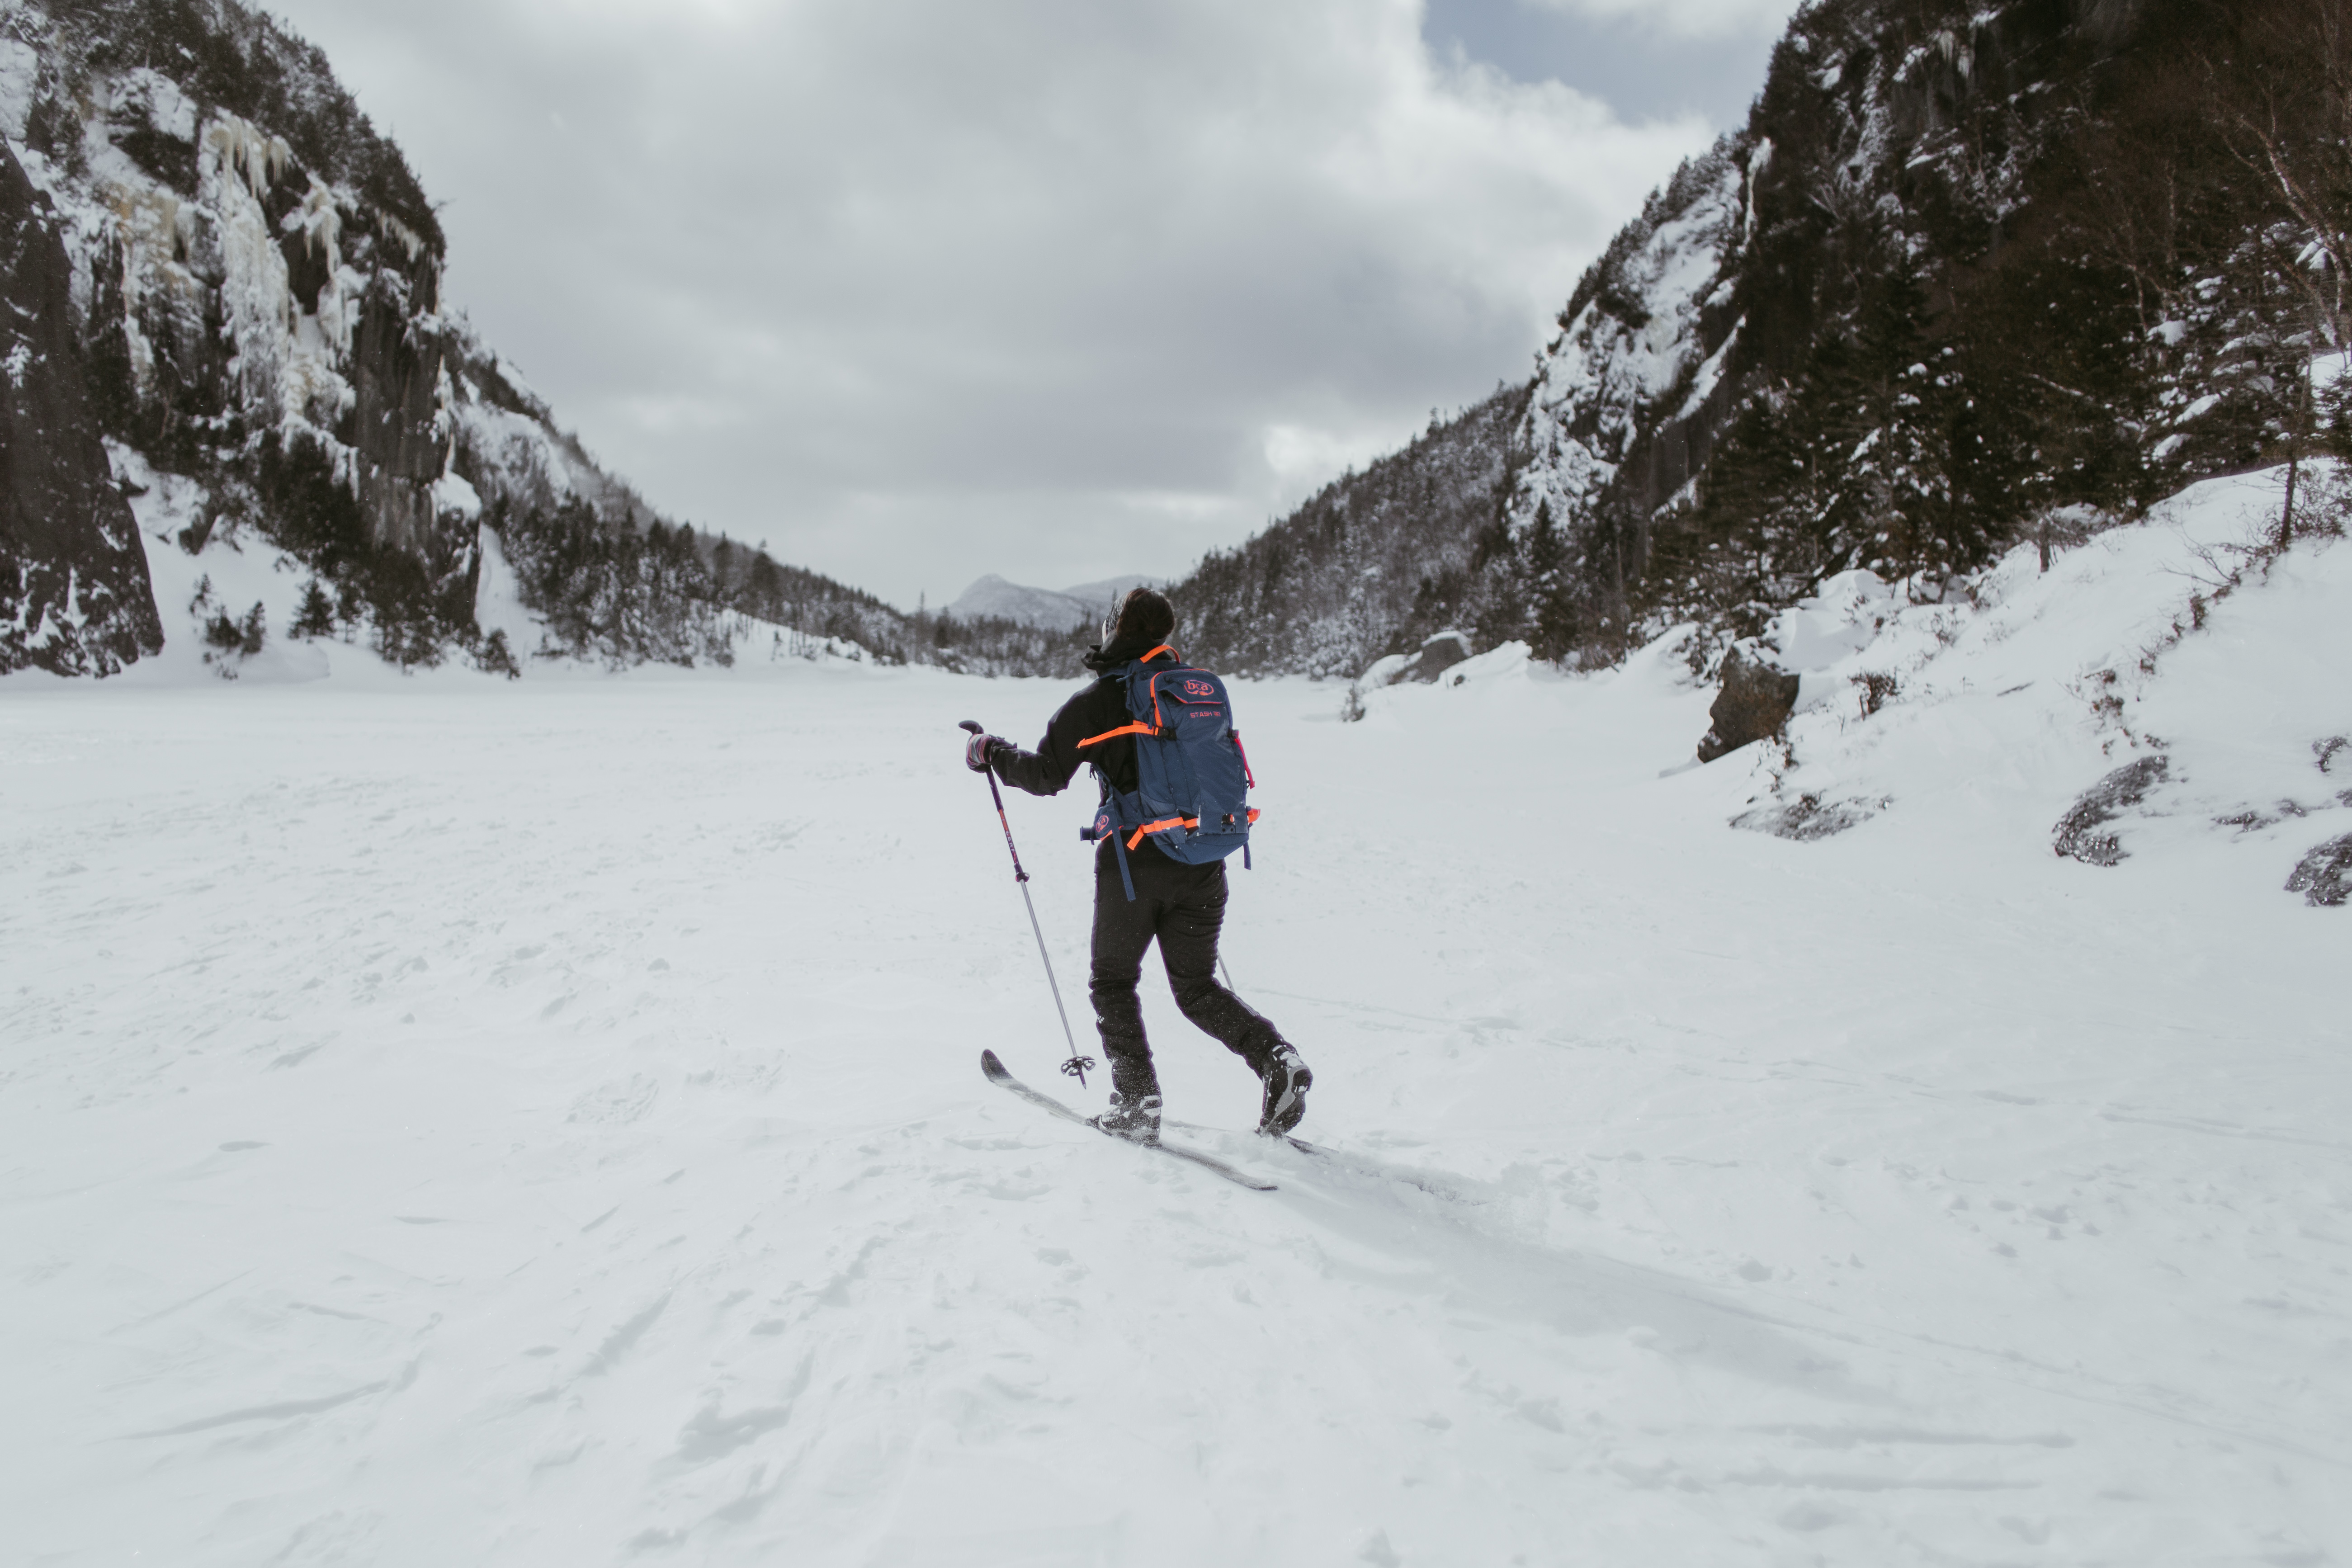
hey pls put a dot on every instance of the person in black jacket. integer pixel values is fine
(1183, 906)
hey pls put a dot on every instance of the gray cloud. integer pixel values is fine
(1632, 58)
(919, 291)
(1685, 18)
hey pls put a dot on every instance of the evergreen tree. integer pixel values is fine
(1790, 496)
(496, 658)
(316, 618)
(1897, 503)
(1551, 589)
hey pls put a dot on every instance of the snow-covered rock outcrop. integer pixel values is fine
(253, 298)
(74, 594)
(1641, 349)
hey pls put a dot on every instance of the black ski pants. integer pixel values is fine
(1183, 907)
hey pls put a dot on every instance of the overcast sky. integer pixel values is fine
(918, 290)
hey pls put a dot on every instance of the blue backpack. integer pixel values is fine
(1192, 777)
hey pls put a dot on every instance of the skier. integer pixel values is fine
(1180, 905)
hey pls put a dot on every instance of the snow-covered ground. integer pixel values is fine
(446, 1120)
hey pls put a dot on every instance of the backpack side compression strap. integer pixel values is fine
(1165, 823)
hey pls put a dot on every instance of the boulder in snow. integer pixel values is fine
(1438, 655)
(1424, 664)
(1755, 701)
(2078, 835)
(2323, 877)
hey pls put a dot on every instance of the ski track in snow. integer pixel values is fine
(448, 1121)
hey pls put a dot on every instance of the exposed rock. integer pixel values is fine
(395, 426)
(2323, 877)
(1755, 701)
(1808, 817)
(2077, 835)
(2253, 818)
(74, 593)
(1423, 664)
(1438, 655)
(2325, 752)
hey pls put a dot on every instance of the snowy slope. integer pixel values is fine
(538, 1123)
(2238, 713)
(235, 573)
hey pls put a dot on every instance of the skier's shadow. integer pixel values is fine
(1451, 1232)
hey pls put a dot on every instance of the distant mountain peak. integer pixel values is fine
(1056, 609)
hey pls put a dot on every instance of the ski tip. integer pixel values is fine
(990, 1066)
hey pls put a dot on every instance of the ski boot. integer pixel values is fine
(1287, 1080)
(1134, 1117)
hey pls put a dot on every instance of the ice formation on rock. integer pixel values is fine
(254, 302)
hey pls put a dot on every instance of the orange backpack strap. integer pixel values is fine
(1162, 826)
(1138, 728)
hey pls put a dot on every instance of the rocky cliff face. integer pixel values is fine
(253, 270)
(1639, 359)
(74, 596)
(225, 269)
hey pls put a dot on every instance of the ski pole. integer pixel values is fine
(1078, 1065)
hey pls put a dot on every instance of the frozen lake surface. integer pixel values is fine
(450, 1120)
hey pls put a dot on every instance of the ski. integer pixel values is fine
(1354, 1164)
(1301, 1145)
(998, 1075)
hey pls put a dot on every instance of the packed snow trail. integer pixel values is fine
(448, 1121)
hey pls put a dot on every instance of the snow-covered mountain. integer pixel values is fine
(1969, 273)
(1058, 609)
(216, 263)
(255, 301)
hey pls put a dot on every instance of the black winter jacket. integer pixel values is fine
(1098, 710)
